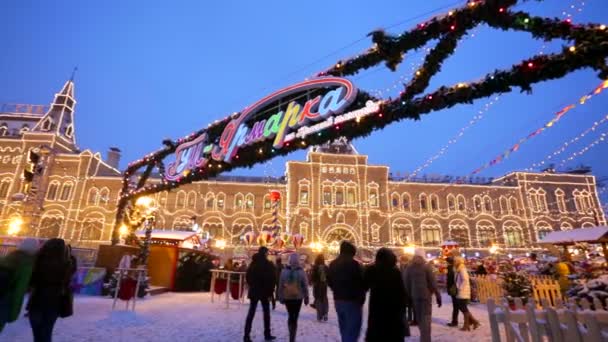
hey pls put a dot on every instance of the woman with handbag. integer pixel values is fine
(293, 288)
(51, 296)
(452, 291)
(463, 294)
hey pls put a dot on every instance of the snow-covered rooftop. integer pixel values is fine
(576, 235)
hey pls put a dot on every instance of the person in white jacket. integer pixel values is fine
(464, 294)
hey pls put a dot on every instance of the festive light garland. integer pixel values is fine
(558, 115)
(584, 149)
(568, 144)
(589, 51)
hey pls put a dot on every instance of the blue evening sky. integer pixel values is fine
(154, 69)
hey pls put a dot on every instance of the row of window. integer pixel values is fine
(98, 197)
(241, 202)
(583, 200)
(4, 130)
(53, 193)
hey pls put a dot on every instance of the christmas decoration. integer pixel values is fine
(517, 285)
(589, 49)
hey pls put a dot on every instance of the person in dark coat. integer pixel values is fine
(421, 285)
(50, 290)
(278, 269)
(345, 278)
(387, 299)
(261, 279)
(452, 291)
(481, 270)
(15, 274)
(319, 289)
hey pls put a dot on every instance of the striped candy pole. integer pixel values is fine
(275, 197)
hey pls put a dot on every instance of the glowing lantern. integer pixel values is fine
(249, 238)
(297, 240)
(265, 238)
(279, 243)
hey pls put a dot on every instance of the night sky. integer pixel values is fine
(155, 69)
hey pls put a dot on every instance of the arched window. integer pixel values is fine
(434, 202)
(565, 226)
(304, 191)
(24, 128)
(487, 204)
(513, 207)
(423, 202)
(249, 201)
(3, 129)
(69, 131)
(402, 231)
(66, 191)
(93, 196)
(395, 201)
(47, 124)
(351, 195)
(267, 203)
(192, 200)
(180, 201)
(51, 193)
(542, 229)
(339, 195)
(50, 227)
(431, 232)
(451, 203)
(560, 198)
(374, 200)
(326, 195)
(538, 199)
(462, 204)
(162, 198)
(104, 196)
(513, 234)
(92, 229)
(375, 233)
(4, 186)
(405, 201)
(579, 202)
(477, 203)
(221, 199)
(459, 232)
(504, 206)
(239, 202)
(587, 225)
(486, 233)
(210, 201)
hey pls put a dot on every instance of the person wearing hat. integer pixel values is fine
(421, 285)
(261, 279)
(15, 274)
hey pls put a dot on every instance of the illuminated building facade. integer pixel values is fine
(63, 191)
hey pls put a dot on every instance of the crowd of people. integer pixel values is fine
(400, 295)
(45, 273)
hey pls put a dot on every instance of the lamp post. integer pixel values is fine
(145, 205)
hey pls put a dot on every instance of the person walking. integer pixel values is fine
(452, 291)
(278, 269)
(51, 296)
(261, 279)
(319, 289)
(15, 273)
(464, 294)
(293, 289)
(387, 299)
(345, 279)
(409, 317)
(421, 285)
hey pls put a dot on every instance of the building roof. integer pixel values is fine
(571, 237)
(59, 119)
(338, 146)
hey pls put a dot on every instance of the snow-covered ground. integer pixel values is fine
(192, 317)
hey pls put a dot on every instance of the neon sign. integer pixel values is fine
(336, 95)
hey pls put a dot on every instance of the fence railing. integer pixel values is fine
(554, 323)
(543, 288)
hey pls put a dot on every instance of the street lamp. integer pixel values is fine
(14, 225)
(409, 249)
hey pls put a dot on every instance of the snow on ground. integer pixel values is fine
(192, 317)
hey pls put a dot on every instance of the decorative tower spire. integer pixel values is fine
(60, 117)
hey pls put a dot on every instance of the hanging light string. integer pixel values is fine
(567, 144)
(456, 138)
(585, 149)
(504, 155)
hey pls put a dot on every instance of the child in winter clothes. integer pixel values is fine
(293, 288)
